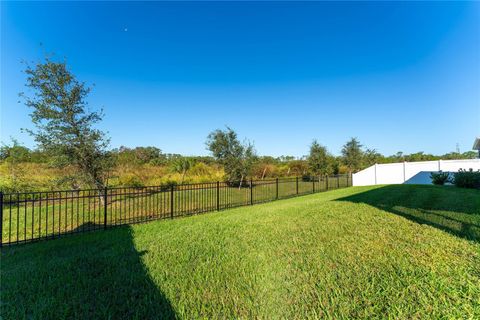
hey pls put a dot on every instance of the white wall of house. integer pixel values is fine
(409, 172)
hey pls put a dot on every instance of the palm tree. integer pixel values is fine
(182, 165)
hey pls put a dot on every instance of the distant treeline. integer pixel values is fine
(22, 168)
(154, 156)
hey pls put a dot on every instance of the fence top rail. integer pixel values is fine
(211, 184)
(48, 191)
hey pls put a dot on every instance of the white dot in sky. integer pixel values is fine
(126, 29)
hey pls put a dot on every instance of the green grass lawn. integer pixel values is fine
(55, 213)
(397, 252)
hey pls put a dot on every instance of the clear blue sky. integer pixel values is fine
(399, 76)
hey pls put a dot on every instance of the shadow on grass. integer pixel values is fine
(92, 276)
(450, 209)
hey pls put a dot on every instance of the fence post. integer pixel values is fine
(297, 184)
(251, 191)
(347, 178)
(218, 195)
(313, 184)
(1, 218)
(171, 201)
(105, 204)
(326, 181)
(276, 183)
(338, 181)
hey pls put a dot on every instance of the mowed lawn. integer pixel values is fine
(397, 252)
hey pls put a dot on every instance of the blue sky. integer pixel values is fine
(399, 76)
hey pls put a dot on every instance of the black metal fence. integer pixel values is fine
(30, 216)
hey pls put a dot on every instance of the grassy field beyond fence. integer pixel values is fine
(37, 215)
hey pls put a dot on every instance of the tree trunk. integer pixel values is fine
(183, 175)
(101, 189)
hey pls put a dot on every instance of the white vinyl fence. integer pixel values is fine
(409, 172)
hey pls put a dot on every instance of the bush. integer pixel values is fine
(200, 169)
(467, 179)
(440, 178)
(307, 178)
(131, 180)
(245, 183)
(168, 184)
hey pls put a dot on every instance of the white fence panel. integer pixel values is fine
(364, 177)
(455, 165)
(410, 172)
(389, 173)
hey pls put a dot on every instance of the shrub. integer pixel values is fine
(307, 178)
(130, 180)
(440, 178)
(467, 179)
(168, 184)
(200, 169)
(264, 170)
(245, 183)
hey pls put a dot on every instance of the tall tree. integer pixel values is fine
(64, 127)
(318, 159)
(352, 155)
(237, 158)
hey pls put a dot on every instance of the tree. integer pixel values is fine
(297, 167)
(14, 155)
(469, 155)
(398, 157)
(147, 154)
(182, 165)
(457, 155)
(64, 127)
(420, 156)
(15, 151)
(352, 155)
(370, 157)
(237, 158)
(138, 155)
(318, 159)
